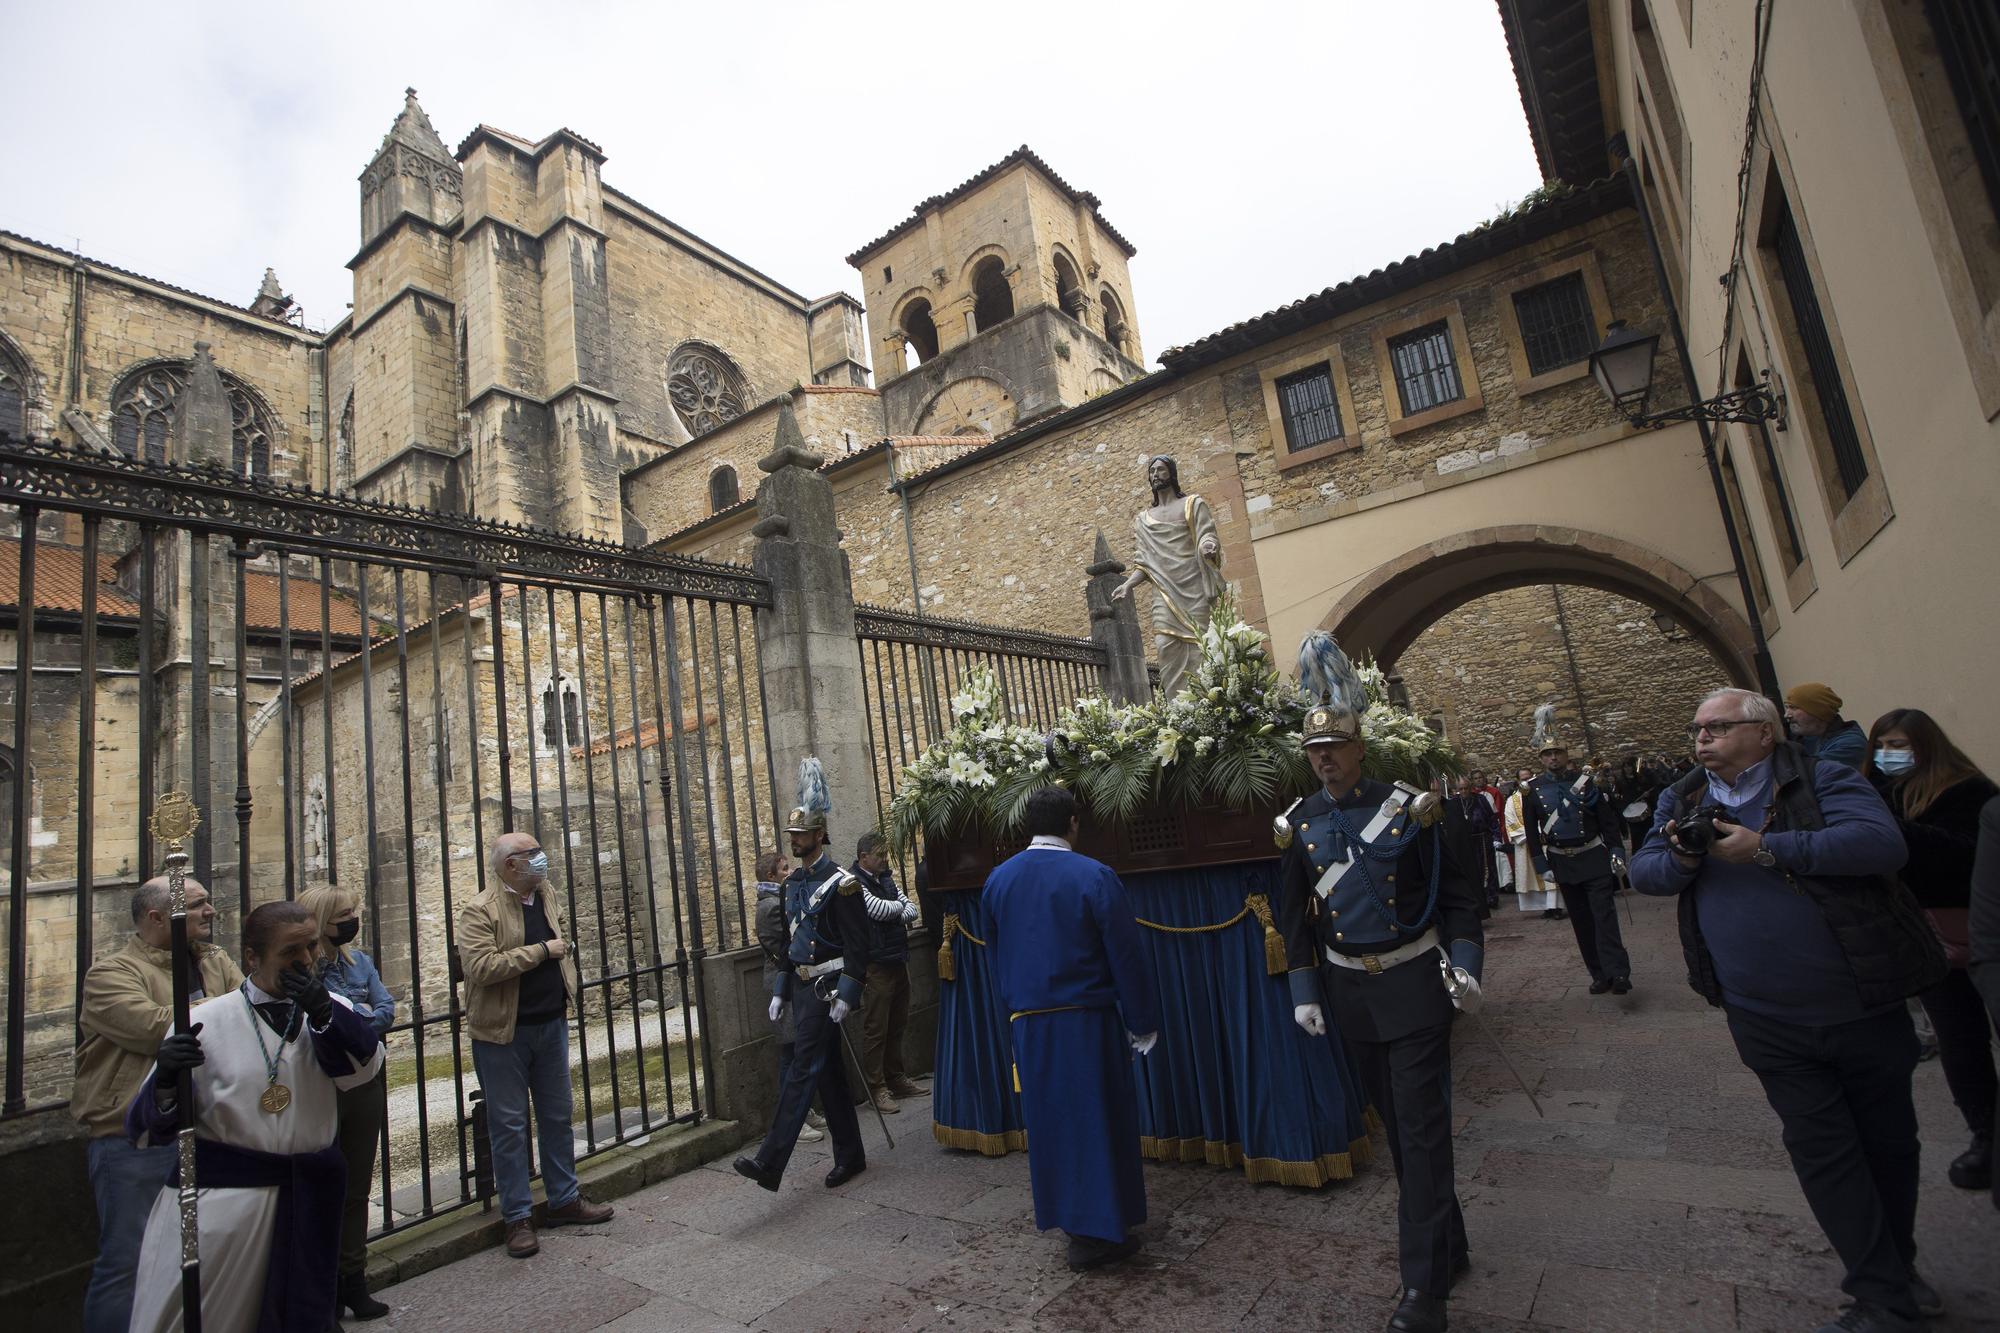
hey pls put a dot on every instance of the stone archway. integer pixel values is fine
(1383, 612)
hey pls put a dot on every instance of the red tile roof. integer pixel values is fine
(59, 587)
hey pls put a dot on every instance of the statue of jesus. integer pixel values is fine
(1177, 550)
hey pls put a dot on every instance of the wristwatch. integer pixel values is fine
(1762, 856)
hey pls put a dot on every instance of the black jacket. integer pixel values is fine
(1985, 966)
(1888, 942)
(1941, 840)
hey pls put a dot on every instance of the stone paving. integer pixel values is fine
(1654, 1195)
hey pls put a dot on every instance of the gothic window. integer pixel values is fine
(142, 410)
(706, 389)
(722, 489)
(992, 298)
(13, 394)
(920, 336)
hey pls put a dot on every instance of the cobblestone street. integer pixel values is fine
(1655, 1195)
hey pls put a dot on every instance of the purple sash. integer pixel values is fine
(305, 1234)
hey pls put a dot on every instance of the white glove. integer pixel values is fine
(1309, 1017)
(839, 1010)
(1144, 1044)
(777, 1008)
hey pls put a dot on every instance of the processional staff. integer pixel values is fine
(175, 819)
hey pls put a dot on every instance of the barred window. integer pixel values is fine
(1311, 412)
(1426, 371)
(1968, 45)
(1815, 342)
(1555, 323)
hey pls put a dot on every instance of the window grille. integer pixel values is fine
(1555, 323)
(1848, 459)
(1426, 371)
(1968, 45)
(1310, 410)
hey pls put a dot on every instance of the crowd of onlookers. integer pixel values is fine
(1839, 899)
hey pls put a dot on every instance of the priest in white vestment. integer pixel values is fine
(266, 1061)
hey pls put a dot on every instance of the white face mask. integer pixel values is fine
(1893, 762)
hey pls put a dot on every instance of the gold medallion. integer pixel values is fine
(275, 1099)
(175, 818)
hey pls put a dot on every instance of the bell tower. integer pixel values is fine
(1001, 301)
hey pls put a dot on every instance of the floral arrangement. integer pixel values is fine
(1230, 737)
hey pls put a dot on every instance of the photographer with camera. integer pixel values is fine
(1792, 921)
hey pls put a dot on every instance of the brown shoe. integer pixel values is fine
(902, 1087)
(578, 1212)
(885, 1102)
(521, 1242)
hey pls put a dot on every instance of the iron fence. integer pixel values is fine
(364, 696)
(912, 666)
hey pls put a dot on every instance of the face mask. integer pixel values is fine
(345, 931)
(538, 865)
(1895, 761)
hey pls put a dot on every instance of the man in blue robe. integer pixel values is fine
(1065, 948)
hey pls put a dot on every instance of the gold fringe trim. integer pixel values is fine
(1261, 1170)
(986, 1145)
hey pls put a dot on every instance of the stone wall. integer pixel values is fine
(127, 321)
(1484, 668)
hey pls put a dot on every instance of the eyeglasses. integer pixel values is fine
(1720, 729)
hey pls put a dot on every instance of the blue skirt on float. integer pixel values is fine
(1233, 1080)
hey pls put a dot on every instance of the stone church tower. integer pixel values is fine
(1003, 300)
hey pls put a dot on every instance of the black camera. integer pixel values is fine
(1696, 832)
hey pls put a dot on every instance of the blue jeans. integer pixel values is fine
(535, 1063)
(125, 1181)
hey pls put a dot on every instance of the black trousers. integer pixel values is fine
(816, 1066)
(1593, 915)
(1409, 1081)
(1965, 1047)
(1843, 1096)
(362, 1111)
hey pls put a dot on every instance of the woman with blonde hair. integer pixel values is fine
(347, 971)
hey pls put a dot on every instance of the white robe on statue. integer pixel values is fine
(1167, 542)
(1531, 891)
(236, 1223)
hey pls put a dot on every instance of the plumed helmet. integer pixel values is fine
(1331, 681)
(815, 800)
(1546, 737)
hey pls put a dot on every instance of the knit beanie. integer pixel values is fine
(1814, 698)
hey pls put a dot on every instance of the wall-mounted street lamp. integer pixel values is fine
(1623, 368)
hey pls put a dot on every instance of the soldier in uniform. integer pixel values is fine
(822, 986)
(1573, 838)
(1372, 904)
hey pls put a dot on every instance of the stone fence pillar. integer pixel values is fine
(1114, 627)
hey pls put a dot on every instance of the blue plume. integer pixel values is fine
(1327, 675)
(813, 793)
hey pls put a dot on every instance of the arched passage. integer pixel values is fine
(993, 297)
(1396, 601)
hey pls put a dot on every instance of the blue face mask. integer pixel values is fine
(1893, 762)
(538, 865)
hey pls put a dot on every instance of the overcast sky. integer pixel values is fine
(1253, 152)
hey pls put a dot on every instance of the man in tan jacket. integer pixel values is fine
(128, 999)
(520, 984)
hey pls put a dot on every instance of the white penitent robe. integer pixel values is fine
(236, 1223)
(1531, 891)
